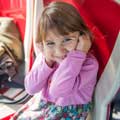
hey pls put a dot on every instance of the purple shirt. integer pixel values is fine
(70, 83)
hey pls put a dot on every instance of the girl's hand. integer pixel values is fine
(84, 43)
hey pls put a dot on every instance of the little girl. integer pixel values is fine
(65, 75)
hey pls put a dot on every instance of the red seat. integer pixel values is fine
(17, 10)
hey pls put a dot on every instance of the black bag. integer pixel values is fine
(8, 65)
(115, 107)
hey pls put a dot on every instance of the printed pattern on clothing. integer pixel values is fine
(49, 111)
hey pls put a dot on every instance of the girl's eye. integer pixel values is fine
(50, 43)
(67, 40)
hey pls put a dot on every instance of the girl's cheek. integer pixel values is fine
(71, 47)
(46, 51)
(50, 53)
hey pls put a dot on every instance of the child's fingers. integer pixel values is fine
(84, 43)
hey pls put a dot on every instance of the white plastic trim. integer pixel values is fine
(108, 84)
(28, 33)
(117, 1)
(38, 8)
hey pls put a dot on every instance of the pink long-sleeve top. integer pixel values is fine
(70, 83)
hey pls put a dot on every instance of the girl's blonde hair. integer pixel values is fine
(63, 18)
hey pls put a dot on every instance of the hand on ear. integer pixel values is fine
(84, 43)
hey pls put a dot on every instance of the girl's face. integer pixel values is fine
(56, 47)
